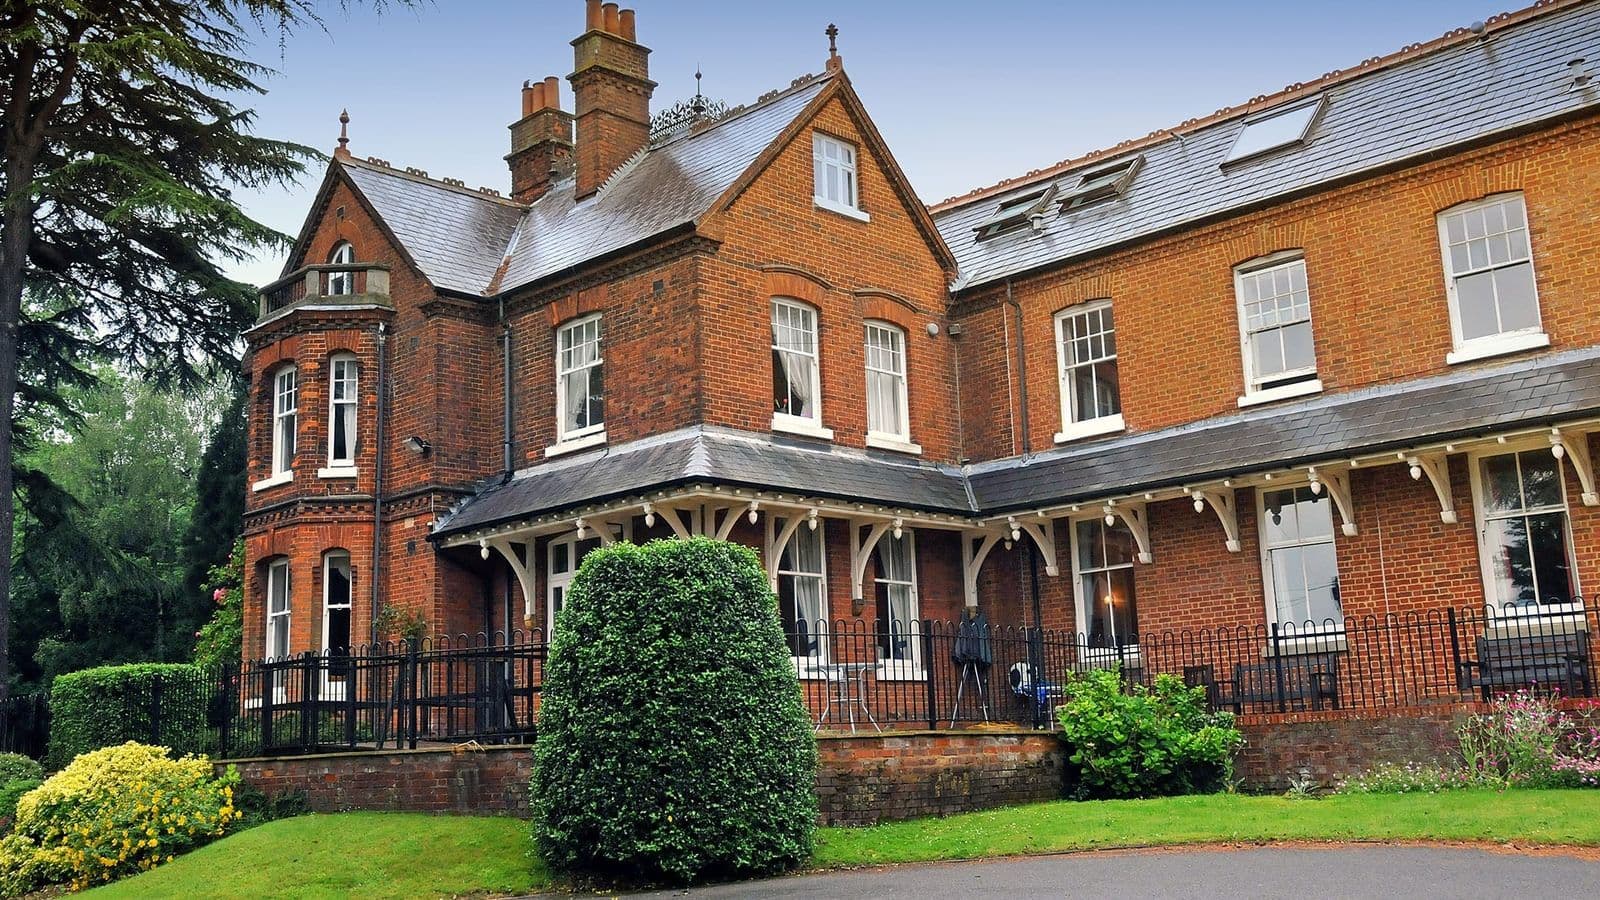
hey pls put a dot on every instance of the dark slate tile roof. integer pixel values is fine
(1535, 391)
(719, 456)
(1460, 93)
(457, 236)
(460, 237)
(1527, 392)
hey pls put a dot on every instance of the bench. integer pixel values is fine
(1523, 660)
(1309, 678)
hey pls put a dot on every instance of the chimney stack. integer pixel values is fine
(541, 141)
(611, 90)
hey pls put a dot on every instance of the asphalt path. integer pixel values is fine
(1297, 872)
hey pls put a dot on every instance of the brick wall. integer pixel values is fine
(1330, 745)
(861, 779)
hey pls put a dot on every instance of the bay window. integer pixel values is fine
(580, 380)
(1102, 563)
(336, 606)
(342, 394)
(285, 416)
(1525, 536)
(1086, 354)
(803, 597)
(1300, 565)
(277, 611)
(1488, 265)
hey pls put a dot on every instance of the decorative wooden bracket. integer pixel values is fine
(1222, 501)
(731, 518)
(777, 542)
(1337, 483)
(520, 566)
(1574, 447)
(1133, 516)
(1437, 468)
(1043, 533)
(864, 537)
(975, 547)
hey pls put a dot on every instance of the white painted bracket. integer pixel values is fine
(523, 570)
(1043, 533)
(684, 529)
(731, 518)
(1574, 447)
(1337, 483)
(975, 547)
(1133, 516)
(777, 542)
(1437, 468)
(1222, 502)
(864, 537)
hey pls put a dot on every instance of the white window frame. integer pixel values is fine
(1098, 656)
(342, 284)
(331, 688)
(278, 573)
(847, 165)
(347, 405)
(810, 426)
(1254, 391)
(563, 580)
(1481, 518)
(809, 667)
(1072, 429)
(594, 433)
(893, 344)
(911, 667)
(1530, 338)
(1296, 637)
(285, 421)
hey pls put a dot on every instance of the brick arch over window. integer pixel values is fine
(1476, 185)
(1265, 240)
(885, 306)
(796, 283)
(578, 303)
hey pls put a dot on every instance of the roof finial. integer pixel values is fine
(697, 77)
(343, 152)
(835, 62)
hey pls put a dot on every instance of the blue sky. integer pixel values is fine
(965, 93)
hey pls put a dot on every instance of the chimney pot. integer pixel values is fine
(593, 17)
(527, 99)
(610, 17)
(539, 101)
(626, 25)
(611, 90)
(552, 92)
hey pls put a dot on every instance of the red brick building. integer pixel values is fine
(1328, 354)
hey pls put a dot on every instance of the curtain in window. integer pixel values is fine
(800, 593)
(794, 348)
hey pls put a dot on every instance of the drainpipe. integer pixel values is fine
(377, 476)
(505, 395)
(1036, 633)
(1022, 371)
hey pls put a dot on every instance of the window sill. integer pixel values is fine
(338, 472)
(1104, 658)
(1557, 620)
(898, 445)
(800, 426)
(887, 672)
(573, 445)
(1308, 645)
(272, 482)
(1090, 428)
(1483, 348)
(849, 212)
(1284, 392)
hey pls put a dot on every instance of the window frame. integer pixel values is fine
(901, 338)
(850, 170)
(342, 284)
(1288, 384)
(910, 667)
(278, 573)
(1494, 608)
(1294, 635)
(1074, 429)
(283, 456)
(1084, 193)
(810, 426)
(563, 580)
(1099, 656)
(1319, 104)
(333, 683)
(594, 431)
(1015, 212)
(337, 465)
(1530, 338)
(810, 666)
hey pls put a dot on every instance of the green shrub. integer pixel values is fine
(1411, 778)
(109, 705)
(1143, 742)
(113, 812)
(12, 791)
(672, 742)
(15, 766)
(220, 640)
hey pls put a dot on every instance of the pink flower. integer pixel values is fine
(219, 595)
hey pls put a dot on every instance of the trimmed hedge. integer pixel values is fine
(110, 705)
(672, 742)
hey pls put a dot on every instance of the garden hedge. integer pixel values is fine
(672, 742)
(155, 703)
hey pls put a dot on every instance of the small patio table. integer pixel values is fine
(847, 683)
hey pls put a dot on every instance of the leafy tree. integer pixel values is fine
(118, 157)
(218, 512)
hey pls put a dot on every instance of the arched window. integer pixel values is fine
(342, 282)
(343, 381)
(336, 597)
(277, 609)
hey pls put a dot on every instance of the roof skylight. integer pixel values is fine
(1275, 129)
(1016, 212)
(1103, 183)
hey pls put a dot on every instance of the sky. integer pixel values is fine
(965, 93)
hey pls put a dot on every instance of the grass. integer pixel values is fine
(409, 855)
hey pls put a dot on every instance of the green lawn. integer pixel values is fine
(407, 855)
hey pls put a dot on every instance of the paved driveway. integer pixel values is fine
(1359, 871)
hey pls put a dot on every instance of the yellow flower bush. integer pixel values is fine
(114, 812)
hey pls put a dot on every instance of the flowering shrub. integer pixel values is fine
(1411, 778)
(221, 639)
(113, 812)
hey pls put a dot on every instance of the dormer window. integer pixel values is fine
(1275, 129)
(343, 282)
(1016, 212)
(1102, 183)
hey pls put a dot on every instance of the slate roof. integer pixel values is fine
(1536, 391)
(712, 455)
(459, 238)
(1470, 89)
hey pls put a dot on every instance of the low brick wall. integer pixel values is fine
(860, 779)
(1328, 745)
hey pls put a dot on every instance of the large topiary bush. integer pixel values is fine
(113, 812)
(1142, 741)
(672, 742)
(101, 707)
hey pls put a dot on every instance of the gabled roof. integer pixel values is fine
(1454, 91)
